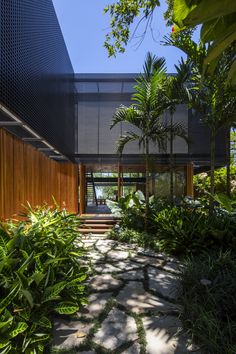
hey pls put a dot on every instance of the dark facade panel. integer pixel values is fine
(36, 75)
(100, 94)
(199, 135)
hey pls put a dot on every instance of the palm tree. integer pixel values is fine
(208, 92)
(146, 113)
(176, 93)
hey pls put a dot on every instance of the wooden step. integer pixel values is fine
(93, 231)
(92, 222)
(97, 226)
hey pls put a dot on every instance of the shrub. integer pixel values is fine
(40, 275)
(201, 182)
(131, 236)
(182, 231)
(209, 302)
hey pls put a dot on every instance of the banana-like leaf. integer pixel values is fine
(66, 308)
(221, 43)
(203, 11)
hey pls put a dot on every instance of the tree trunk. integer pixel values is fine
(171, 163)
(228, 158)
(212, 169)
(146, 178)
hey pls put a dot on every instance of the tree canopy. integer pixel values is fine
(216, 17)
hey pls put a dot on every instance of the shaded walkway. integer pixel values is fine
(99, 209)
(133, 304)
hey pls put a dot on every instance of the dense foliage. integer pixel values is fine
(40, 275)
(202, 182)
(209, 302)
(185, 228)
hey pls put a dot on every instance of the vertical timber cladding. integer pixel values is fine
(28, 175)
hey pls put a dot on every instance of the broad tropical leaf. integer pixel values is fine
(52, 292)
(20, 328)
(66, 308)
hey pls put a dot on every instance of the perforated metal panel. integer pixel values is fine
(98, 97)
(36, 75)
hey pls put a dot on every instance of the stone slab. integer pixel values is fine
(131, 275)
(104, 282)
(116, 329)
(145, 260)
(96, 304)
(134, 298)
(127, 265)
(150, 253)
(173, 267)
(118, 255)
(68, 334)
(161, 335)
(106, 268)
(164, 283)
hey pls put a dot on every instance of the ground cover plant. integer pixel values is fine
(206, 244)
(209, 303)
(41, 275)
(185, 228)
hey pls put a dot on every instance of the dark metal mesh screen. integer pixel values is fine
(36, 75)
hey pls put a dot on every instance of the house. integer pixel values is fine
(54, 124)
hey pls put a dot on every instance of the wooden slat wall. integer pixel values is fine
(28, 175)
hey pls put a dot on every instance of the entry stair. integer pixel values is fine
(91, 196)
(97, 224)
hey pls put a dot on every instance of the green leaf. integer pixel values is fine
(6, 324)
(5, 302)
(79, 279)
(207, 10)
(181, 11)
(44, 322)
(231, 79)
(20, 328)
(29, 297)
(221, 43)
(7, 349)
(4, 343)
(4, 237)
(52, 292)
(66, 308)
(38, 277)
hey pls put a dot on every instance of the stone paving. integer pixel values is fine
(132, 307)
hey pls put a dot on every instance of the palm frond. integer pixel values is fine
(153, 63)
(126, 114)
(125, 139)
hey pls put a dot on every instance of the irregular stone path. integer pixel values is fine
(132, 307)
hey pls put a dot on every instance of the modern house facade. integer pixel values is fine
(55, 125)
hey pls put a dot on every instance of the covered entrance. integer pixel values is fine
(97, 183)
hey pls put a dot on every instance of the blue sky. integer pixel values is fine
(84, 28)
